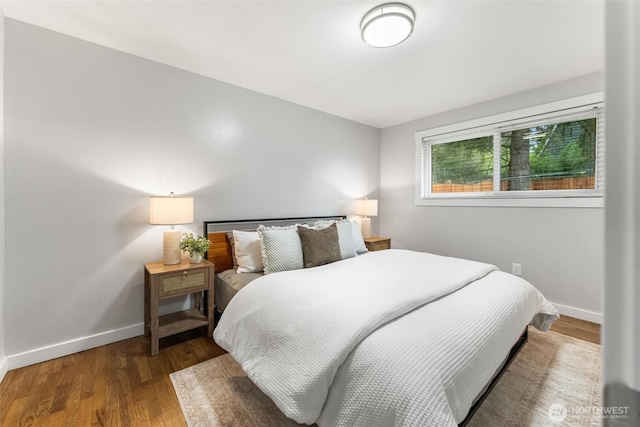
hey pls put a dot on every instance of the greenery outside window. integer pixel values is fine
(548, 157)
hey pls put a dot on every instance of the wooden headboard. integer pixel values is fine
(220, 249)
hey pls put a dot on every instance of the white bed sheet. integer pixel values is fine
(291, 335)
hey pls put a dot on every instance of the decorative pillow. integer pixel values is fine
(319, 247)
(281, 249)
(345, 236)
(248, 251)
(357, 238)
(233, 249)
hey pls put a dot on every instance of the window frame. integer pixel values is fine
(572, 108)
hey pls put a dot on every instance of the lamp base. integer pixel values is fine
(171, 247)
(365, 227)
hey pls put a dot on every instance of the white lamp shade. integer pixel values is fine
(366, 207)
(170, 210)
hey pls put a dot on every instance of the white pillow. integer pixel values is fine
(345, 236)
(248, 251)
(281, 248)
(357, 238)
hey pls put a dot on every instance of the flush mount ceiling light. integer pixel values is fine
(387, 25)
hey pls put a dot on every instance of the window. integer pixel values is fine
(547, 156)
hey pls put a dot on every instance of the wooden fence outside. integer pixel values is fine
(580, 183)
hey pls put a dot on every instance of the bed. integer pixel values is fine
(386, 338)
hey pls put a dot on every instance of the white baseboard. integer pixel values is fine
(578, 313)
(4, 367)
(53, 351)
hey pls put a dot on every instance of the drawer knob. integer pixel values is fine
(184, 274)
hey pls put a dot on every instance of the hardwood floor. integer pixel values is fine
(581, 329)
(120, 384)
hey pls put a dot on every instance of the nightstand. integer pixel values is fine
(377, 243)
(165, 281)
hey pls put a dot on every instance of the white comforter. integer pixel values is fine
(306, 338)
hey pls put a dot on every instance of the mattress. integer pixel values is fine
(227, 285)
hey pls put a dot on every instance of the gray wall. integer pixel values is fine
(92, 132)
(560, 249)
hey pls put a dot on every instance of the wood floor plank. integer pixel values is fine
(121, 384)
(154, 409)
(144, 372)
(43, 399)
(99, 390)
(60, 418)
(86, 367)
(581, 329)
(18, 411)
(61, 393)
(8, 394)
(138, 408)
(85, 412)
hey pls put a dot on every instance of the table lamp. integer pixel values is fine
(171, 211)
(366, 208)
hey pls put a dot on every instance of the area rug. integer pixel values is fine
(554, 380)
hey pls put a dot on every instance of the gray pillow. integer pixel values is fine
(319, 247)
(345, 236)
(281, 249)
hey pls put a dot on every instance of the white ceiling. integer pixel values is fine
(310, 52)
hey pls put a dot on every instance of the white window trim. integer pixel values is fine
(564, 198)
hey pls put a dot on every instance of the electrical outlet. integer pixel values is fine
(516, 269)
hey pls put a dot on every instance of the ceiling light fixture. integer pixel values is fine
(387, 25)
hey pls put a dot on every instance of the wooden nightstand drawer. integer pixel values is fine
(377, 243)
(183, 282)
